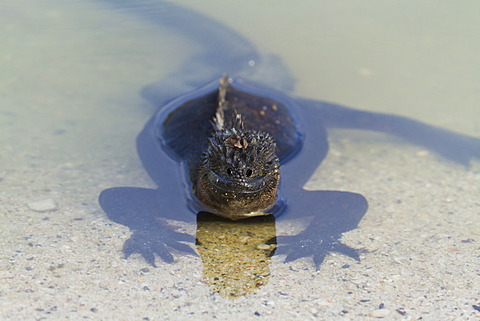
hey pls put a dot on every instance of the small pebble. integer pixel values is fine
(263, 246)
(43, 205)
(380, 313)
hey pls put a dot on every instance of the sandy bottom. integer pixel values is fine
(421, 233)
(65, 138)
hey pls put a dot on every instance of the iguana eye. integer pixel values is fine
(229, 171)
(249, 172)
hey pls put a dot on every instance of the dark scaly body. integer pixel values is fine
(187, 132)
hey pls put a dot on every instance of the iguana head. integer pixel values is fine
(239, 173)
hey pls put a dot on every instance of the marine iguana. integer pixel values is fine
(234, 141)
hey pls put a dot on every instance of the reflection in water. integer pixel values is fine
(235, 254)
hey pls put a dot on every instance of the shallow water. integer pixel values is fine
(70, 111)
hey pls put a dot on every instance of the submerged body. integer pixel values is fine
(178, 148)
(232, 143)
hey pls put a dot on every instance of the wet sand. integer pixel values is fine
(69, 115)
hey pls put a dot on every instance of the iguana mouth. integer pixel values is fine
(252, 186)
